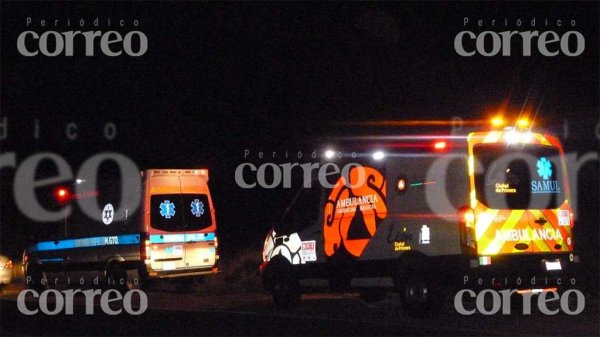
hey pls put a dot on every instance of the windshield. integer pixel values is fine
(179, 212)
(518, 177)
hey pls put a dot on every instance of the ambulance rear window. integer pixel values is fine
(518, 176)
(180, 212)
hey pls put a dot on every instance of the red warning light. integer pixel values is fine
(440, 145)
(62, 194)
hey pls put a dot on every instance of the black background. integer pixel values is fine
(219, 78)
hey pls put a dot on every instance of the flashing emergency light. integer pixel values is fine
(440, 145)
(329, 154)
(523, 123)
(62, 194)
(378, 155)
(497, 121)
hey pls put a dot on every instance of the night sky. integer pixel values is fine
(219, 78)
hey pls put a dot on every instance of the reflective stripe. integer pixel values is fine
(111, 240)
(170, 238)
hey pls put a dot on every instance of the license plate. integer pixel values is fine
(553, 265)
(168, 265)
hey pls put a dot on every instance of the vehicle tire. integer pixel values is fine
(420, 294)
(279, 279)
(286, 291)
(34, 273)
(116, 278)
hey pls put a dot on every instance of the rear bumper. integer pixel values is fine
(182, 273)
(524, 271)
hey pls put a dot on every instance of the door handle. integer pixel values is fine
(541, 221)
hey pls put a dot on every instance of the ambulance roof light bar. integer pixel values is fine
(203, 172)
(521, 123)
(513, 136)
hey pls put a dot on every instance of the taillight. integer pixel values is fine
(572, 216)
(466, 216)
(466, 221)
(8, 265)
(147, 250)
(145, 247)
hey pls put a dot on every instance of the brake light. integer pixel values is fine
(145, 248)
(8, 265)
(466, 216)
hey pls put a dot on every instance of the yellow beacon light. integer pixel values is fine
(523, 122)
(497, 121)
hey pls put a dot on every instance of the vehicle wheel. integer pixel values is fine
(117, 278)
(372, 295)
(35, 275)
(420, 295)
(286, 290)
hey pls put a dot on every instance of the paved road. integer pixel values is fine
(252, 313)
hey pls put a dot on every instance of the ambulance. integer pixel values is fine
(159, 225)
(425, 214)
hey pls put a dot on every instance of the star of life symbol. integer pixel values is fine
(544, 168)
(197, 208)
(167, 209)
(107, 214)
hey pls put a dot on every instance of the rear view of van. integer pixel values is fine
(520, 199)
(180, 223)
